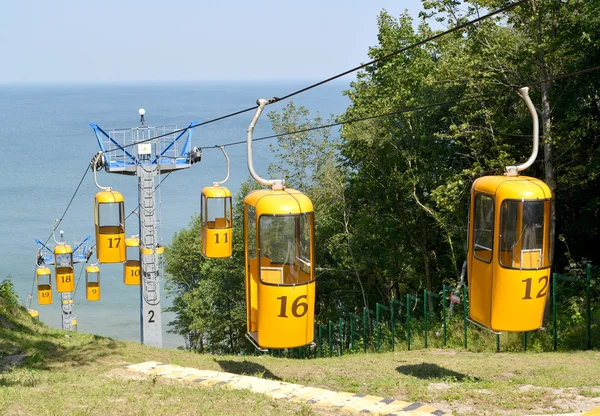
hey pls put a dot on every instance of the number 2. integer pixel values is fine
(151, 319)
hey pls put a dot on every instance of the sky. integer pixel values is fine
(75, 41)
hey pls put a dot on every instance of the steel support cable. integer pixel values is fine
(383, 58)
(417, 108)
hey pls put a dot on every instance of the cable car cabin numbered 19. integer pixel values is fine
(216, 222)
(63, 262)
(110, 226)
(510, 246)
(44, 285)
(280, 286)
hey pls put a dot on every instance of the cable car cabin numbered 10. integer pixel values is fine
(110, 226)
(63, 262)
(216, 222)
(131, 268)
(280, 286)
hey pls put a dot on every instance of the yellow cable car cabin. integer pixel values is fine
(279, 264)
(216, 214)
(43, 277)
(131, 268)
(34, 314)
(63, 262)
(109, 209)
(509, 252)
(92, 283)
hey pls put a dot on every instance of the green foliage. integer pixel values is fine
(7, 291)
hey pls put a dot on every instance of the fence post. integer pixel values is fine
(554, 309)
(365, 313)
(497, 342)
(425, 314)
(330, 338)
(525, 341)
(341, 324)
(321, 327)
(444, 303)
(588, 276)
(378, 307)
(408, 320)
(465, 313)
(392, 320)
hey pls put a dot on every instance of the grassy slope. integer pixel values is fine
(76, 373)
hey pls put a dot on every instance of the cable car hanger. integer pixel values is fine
(512, 171)
(96, 167)
(227, 177)
(275, 184)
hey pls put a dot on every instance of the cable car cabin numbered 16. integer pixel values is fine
(110, 226)
(280, 286)
(216, 222)
(63, 262)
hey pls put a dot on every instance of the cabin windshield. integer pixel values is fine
(111, 215)
(216, 212)
(64, 260)
(525, 241)
(286, 249)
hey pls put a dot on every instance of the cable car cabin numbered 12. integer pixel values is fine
(216, 222)
(110, 226)
(63, 262)
(280, 286)
(510, 246)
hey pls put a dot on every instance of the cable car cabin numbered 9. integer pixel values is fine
(279, 253)
(63, 262)
(216, 222)
(43, 278)
(110, 226)
(509, 252)
(92, 283)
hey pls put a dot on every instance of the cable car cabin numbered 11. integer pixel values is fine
(63, 262)
(216, 222)
(110, 226)
(280, 286)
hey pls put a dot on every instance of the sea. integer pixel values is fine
(46, 145)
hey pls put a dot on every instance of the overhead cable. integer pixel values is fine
(385, 57)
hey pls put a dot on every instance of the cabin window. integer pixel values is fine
(483, 234)
(285, 248)
(251, 231)
(64, 260)
(524, 234)
(111, 215)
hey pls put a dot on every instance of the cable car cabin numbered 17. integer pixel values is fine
(216, 222)
(110, 226)
(510, 246)
(280, 286)
(63, 262)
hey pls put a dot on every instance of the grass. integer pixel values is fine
(50, 372)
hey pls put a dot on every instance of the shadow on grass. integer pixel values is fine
(427, 371)
(246, 368)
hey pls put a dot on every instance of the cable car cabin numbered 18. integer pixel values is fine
(510, 246)
(216, 222)
(63, 262)
(280, 286)
(110, 226)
